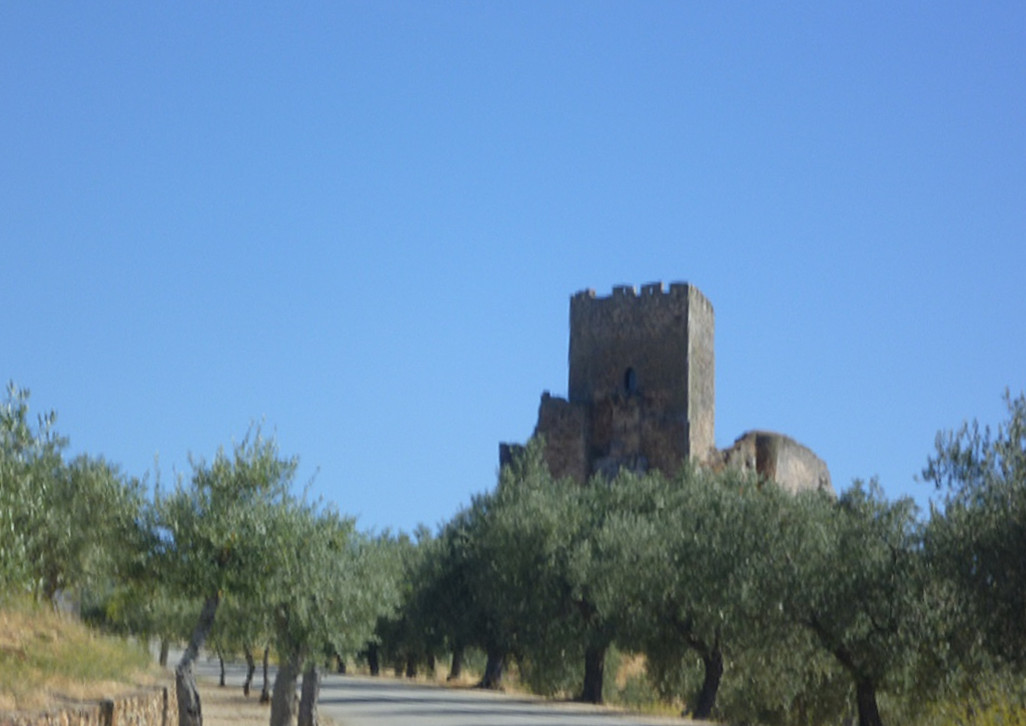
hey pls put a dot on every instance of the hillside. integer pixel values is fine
(48, 658)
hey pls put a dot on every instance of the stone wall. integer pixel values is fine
(779, 458)
(636, 432)
(656, 347)
(701, 371)
(151, 707)
(564, 426)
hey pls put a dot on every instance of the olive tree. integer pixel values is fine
(852, 574)
(30, 459)
(686, 555)
(213, 539)
(978, 539)
(143, 607)
(415, 632)
(482, 619)
(63, 525)
(440, 602)
(91, 532)
(516, 566)
(326, 591)
(519, 550)
(444, 606)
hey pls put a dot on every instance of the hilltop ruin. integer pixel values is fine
(642, 395)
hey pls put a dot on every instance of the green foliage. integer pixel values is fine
(327, 586)
(239, 626)
(91, 530)
(213, 531)
(518, 546)
(474, 579)
(509, 574)
(853, 575)
(537, 534)
(999, 702)
(805, 600)
(785, 680)
(30, 460)
(437, 602)
(683, 562)
(978, 541)
(143, 607)
(413, 632)
(63, 525)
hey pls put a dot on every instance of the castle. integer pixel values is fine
(642, 395)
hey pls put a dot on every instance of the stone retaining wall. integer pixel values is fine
(152, 707)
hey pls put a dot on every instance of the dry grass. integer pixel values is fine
(631, 666)
(631, 689)
(47, 658)
(228, 707)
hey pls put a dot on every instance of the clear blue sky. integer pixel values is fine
(362, 223)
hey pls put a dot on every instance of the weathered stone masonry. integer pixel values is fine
(149, 707)
(642, 394)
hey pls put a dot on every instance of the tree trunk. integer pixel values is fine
(283, 699)
(594, 672)
(865, 697)
(50, 587)
(250, 670)
(713, 662)
(411, 666)
(311, 692)
(265, 695)
(456, 668)
(431, 664)
(165, 646)
(220, 660)
(190, 712)
(494, 667)
(340, 665)
(373, 662)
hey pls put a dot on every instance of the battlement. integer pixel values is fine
(676, 289)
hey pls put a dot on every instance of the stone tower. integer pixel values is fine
(642, 384)
(642, 395)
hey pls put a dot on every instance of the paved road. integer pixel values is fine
(365, 701)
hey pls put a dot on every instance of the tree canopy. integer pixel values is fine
(745, 603)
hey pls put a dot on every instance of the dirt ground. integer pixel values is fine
(228, 707)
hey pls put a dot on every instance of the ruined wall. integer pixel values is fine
(564, 426)
(799, 468)
(151, 707)
(781, 459)
(636, 432)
